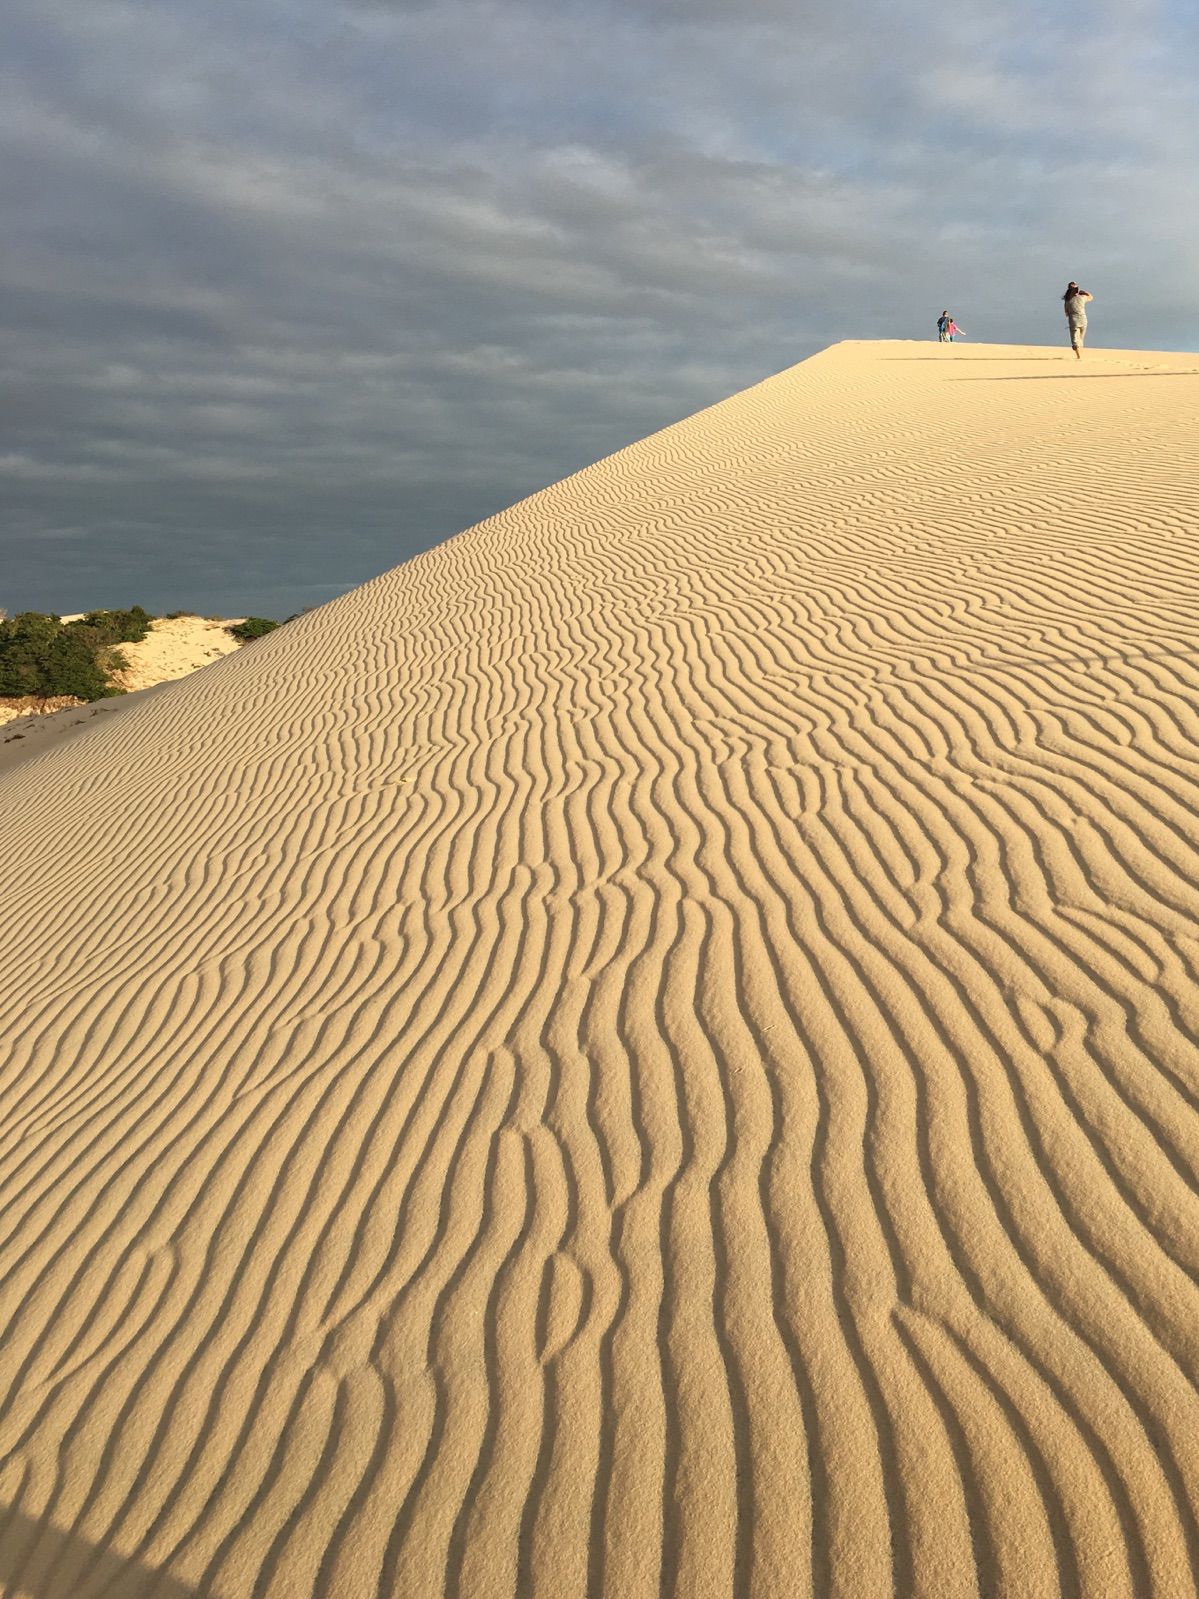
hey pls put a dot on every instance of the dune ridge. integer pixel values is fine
(649, 1050)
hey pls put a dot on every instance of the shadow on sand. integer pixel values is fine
(38, 1561)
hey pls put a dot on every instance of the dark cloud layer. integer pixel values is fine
(294, 290)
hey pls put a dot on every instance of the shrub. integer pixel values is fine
(253, 627)
(38, 655)
(42, 656)
(70, 667)
(102, 628)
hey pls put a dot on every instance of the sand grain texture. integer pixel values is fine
(650, 1050)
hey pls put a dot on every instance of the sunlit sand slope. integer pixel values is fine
(173, 647)
(651, 1050)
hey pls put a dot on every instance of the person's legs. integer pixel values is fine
(1078, 332)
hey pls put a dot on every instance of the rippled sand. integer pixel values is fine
(650, 1050)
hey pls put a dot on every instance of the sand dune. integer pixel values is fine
(650, 1050)
(175, 646)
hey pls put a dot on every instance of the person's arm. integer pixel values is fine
(1083, 295)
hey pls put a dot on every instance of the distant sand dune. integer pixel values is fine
(653, 1049)
(173, 647)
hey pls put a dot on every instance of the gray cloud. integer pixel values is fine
(291, 294)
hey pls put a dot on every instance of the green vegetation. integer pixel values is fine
(253, 627)
(44, 656)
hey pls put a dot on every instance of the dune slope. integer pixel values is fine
(650, 1050)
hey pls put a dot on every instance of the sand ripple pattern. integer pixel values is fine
(652, 1050)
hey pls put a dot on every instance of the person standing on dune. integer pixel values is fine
(943, 327)
(1074, 302)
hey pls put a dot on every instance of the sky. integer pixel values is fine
(291, 291)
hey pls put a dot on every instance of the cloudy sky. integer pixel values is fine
(296, 288)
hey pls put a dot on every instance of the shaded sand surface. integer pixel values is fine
(174, 647)
(650, 1050)
(35, 733)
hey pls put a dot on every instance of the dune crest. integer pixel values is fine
(650, 1050)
